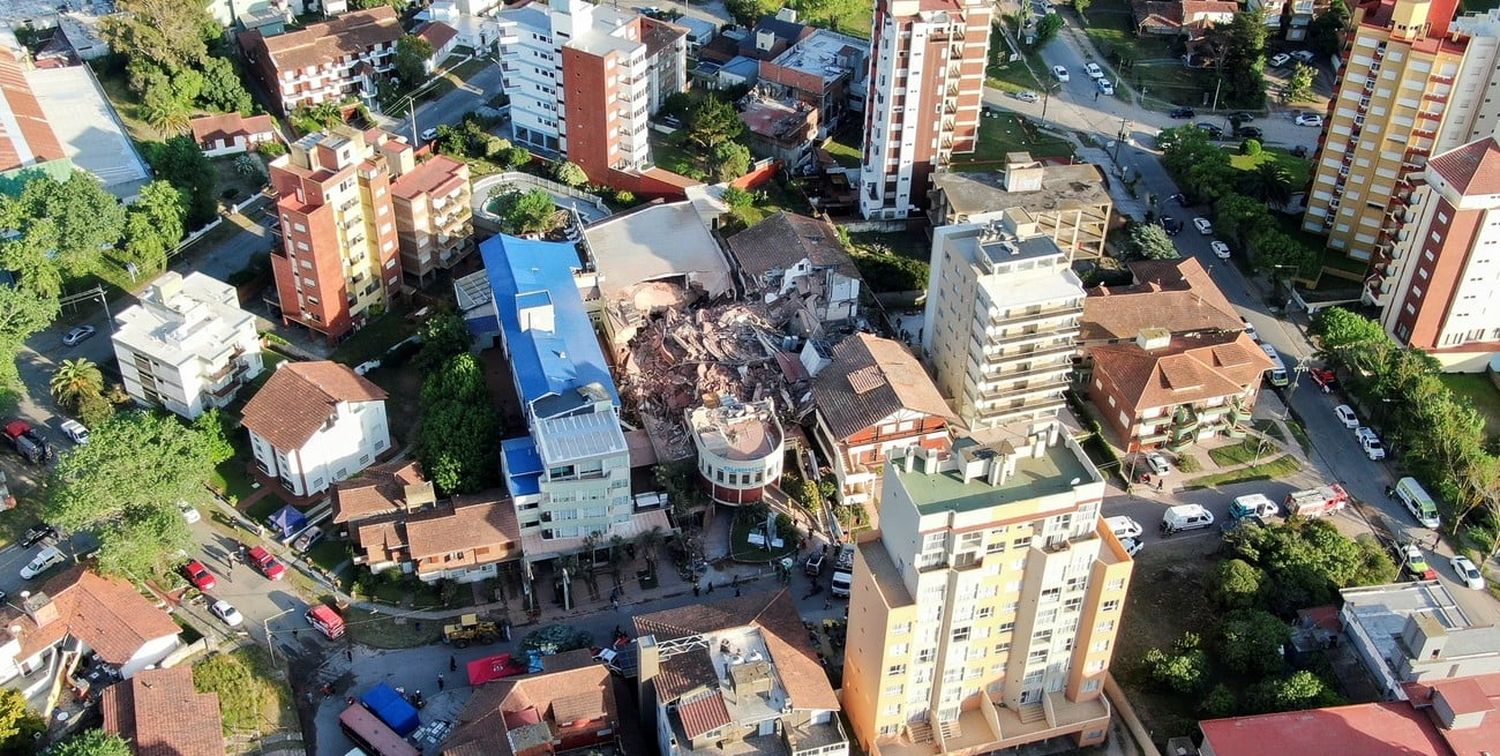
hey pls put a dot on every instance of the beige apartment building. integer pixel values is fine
(1002, 308)
(1070, 203)
(1400, 100)
(984, 611)
(434, 217)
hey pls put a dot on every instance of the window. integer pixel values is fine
(985, 612)
(896, 670)
(961, 634)
(901, 629)
(1100, 646)
(1110, 606)
(1091, 685)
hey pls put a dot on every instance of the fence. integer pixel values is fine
(193, 236)
(481, 187)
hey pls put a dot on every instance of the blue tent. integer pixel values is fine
(392, 709)
(288, 520)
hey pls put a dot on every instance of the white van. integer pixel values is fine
(45, 560)
(1416, 500)
(1186, 517)
(1277, 375)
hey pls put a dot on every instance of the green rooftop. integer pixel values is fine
(1060, 469)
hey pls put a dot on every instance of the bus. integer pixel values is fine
(371, 735)
(1277, 374)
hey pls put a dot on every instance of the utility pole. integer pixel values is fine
(1120, 138)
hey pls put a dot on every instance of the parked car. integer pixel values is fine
(1467, 573)
(1186, 517)
(1026, 96)
(75, 431)
(1203, 225)
(1306, 56)
(1158, 464)
(1372, 446)
(1411, 559)
(199, 576)
(266, 564)
(1278, 60)
(1183, 113)
(428, 135)
(1093, 70)
(1242, 117)
(308, 538)
(1132, 546)
(1249, 132)
(1325, 379)
(1123, 526)
(44, 560)
(1106, 87)
(1060, 72)
(38, 533)
(79, 335)
(1309, 119)
(1180, 199)
(226, 613)
(1346, 415)
(1250, 330)
(1220, 249)
(189, 513)
(1213, 131)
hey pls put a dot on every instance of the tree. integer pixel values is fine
(124, 485)
(1237, 217)
(1243, 63)
(1219, 702)
(214, 427)
(1250, 147)
(1298, 87)
(1047, 28)
(1270, 183)
(1250, 642)
(1281, 255)
(1307, 561)
(730, 160)
(1150, 241)
(18, 723)
(1323, 33)
(747, 12)
(568, 173)
(1235, 584)
(525, 212)
(443, 337)
(165, 112)
(180, 161)
(272, 149)
(516, 156)
(1301, 690)
(222, 89)
(737, 198)
(1200, 167)
(92, 743)
(172, 34)
(396, 5)
(64, 222)
(412, 56)
(250, 166)
(712, 121)
(74, 381)
(1082, 6)
(1337, 328)
(458, 442)
(153, 226)
(1182, 669)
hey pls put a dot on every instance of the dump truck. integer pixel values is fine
(843, 571)
(469, 629)
(1317, 502)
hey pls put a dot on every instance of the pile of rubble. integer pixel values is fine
(678, 358)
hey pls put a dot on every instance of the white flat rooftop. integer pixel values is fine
(655, 243)
(90, 132)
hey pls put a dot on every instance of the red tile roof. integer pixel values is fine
(703, 715)
(105, 613)
(352, 33)
(33, 140)
(471, 524)
(437, 34)
(300, 397)
(1190, 369)
(1466, 695)
(1471, 169)
(1177, 295)
(498, 708)
(1374, 729)
(439, 176)
(380, 489)
(162, 714)
(226, 126)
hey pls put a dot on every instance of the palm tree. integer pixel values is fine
(590, 571)
(1270, 183)
(167, 115)
(75, 382)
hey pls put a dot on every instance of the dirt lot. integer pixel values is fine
(1166, 598)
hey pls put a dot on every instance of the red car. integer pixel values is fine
(199, 576)
(1324, 378)
(267, 564)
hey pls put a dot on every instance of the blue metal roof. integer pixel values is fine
(523, 466)
(526, 274)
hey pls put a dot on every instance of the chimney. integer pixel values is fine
(930, 461)
(1153, 338)
(909, 458)
(996, 473)
(40, 608)
(765, 40)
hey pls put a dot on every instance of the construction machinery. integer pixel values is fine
(469, 629)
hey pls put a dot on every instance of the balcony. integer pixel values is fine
(1068, 332)
(1020, 392)
(999, 358)
(1036, 315)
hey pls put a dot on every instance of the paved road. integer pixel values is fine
(451, 107)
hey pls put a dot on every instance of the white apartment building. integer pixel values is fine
(927, 62)
(988, 603)
(187, 346)
(316, 423)
(584, 78)
(1003, 311)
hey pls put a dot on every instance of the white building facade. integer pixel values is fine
(187, 346)
(315, 423)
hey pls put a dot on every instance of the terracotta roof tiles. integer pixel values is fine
(105, 613)
(300, 397)
(1177, 295)
(161, 713)
(1471, 169)
(1190, 369)
(380, 489)
(226, 126)
(501, 707)
(352, 33)
(869, 379)
(783, 240)
(703, 714)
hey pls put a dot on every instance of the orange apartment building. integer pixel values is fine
(984, 611)
(434, 217)
(339, 253)
(325, 62)
(926, 81)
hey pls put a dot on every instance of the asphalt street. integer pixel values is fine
(451, 107)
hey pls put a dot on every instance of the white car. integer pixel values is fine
(1346, 416)
(1123, 526)
(1027, 96)
(1278, 60)
(45, 560)
(1309, 119)
(1060, 72)
(1373, 449)
(226, 613)
(189, 513)
(428, 135)
(1158, 464)
(1220, 249)
(1306, 56)
(1094, 71)
(75, 431)
(1204, 226)
(1250, 329)
(1467, 573)
(1106, 87)
(1132, 546)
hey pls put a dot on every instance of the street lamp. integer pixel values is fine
(265, 625)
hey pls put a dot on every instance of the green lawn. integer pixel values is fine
(1477, 388)
(844, 148)
(381, 631)
(1276, 468)
(668, 154)
(1171, 82)
(851, 17)
(1112, 30)
(264, 507)
(380, 334)
(1243, 452)
(770, 199)
(891, 261)
(253, 696)
(1299, 168)
(329, 553)
(1009, 133)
